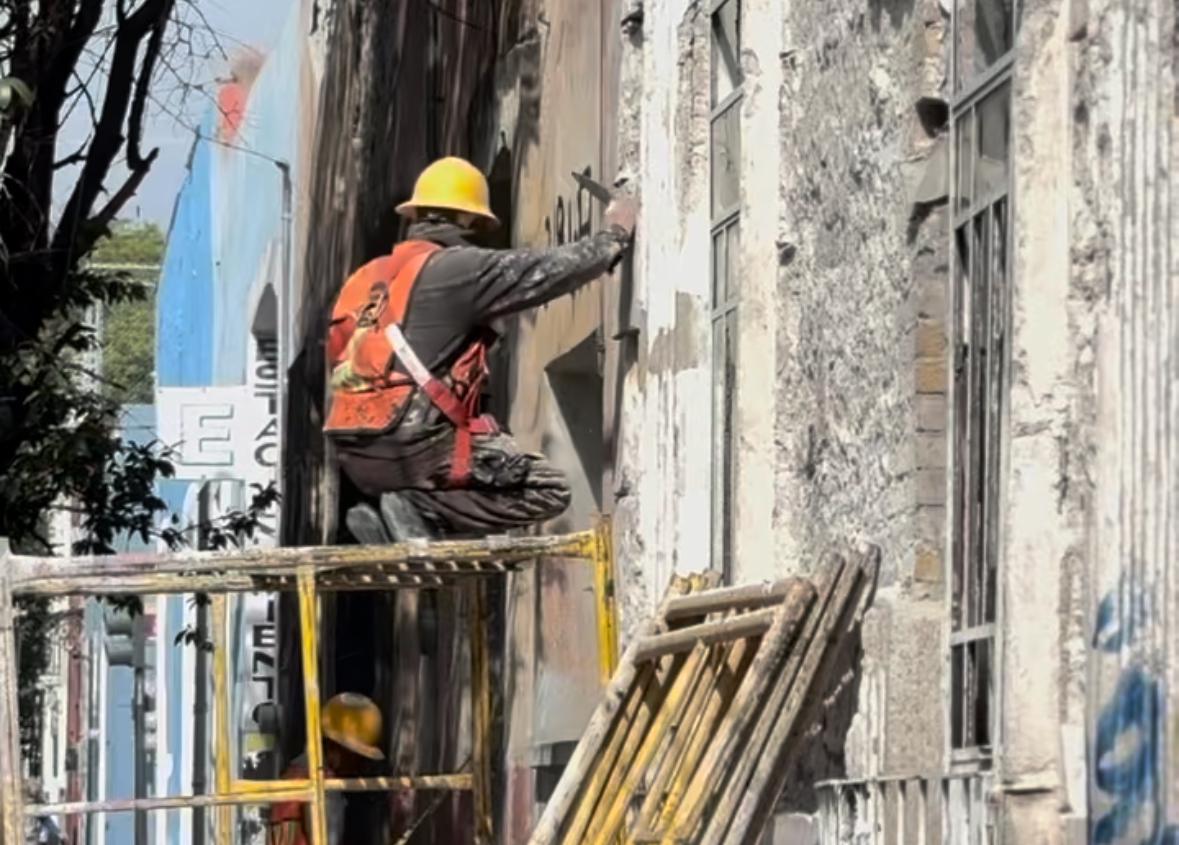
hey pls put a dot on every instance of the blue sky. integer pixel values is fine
(239, 24)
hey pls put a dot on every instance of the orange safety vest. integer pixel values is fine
(291, 811)
(367, 395)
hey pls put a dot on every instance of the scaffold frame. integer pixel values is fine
(309, 571)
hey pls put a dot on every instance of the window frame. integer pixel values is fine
(968, 561)
(724, 312)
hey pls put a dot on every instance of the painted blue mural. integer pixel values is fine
(248, 198)
(217, 317)
(184, 309)
(1127, 755)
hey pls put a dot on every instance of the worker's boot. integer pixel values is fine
(366, 525)
(402, 519)
(405, 523)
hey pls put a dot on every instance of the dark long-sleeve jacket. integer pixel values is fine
(458, 293)
(464, 288)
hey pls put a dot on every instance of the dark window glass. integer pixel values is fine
(726, 51)
(726, 157)
(985, 30)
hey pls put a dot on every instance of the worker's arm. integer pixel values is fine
(513, 280)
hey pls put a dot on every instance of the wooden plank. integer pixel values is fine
(32, 574)
(309, 635)
(613, 771)
(627, 730)
(221, 743)
(580, 764)
(607, 825)
(459, 782)
(746, 597)
(667, 762)
(172, 802)
(746, 703)
(707, 633)
(769, 775)
(605, 605)
(663, 800)
(174, 583)
(834, 586)
(612, 766)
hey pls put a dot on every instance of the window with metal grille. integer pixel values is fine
(983, 42)
(726, 82)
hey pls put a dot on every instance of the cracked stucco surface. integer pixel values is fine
(847, 314)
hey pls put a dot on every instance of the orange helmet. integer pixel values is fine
(353, 721)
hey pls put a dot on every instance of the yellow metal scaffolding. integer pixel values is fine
(462, 564)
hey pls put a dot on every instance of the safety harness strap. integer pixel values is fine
(454, 409)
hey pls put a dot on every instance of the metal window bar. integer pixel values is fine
(968, 89)
(455, 563)
(981, 273)
(727, 102)
(725, 47)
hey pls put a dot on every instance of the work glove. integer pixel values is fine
(623, 212)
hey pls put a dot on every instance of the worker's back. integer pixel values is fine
(408, 349)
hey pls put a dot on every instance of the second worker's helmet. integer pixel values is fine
(354, 721)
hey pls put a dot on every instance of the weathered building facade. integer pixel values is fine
(904, 276)
(945, 328)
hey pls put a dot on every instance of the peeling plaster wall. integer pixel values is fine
(843, 356)
(1089, 515)
(849, 282)
(661, 486)
(1115, 469)
(841, 370)
(550, 113)
(1039, 530)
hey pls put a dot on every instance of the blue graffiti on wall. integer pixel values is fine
(1129, 734)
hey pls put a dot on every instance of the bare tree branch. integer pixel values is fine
(76, 157)
(82, 93)
(123, 91)
(147, 70)
(99, 224)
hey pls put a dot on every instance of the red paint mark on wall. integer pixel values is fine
(231, 103)
(233, 97)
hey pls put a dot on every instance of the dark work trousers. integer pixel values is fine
(508, 488)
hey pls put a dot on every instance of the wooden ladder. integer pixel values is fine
(691, 741)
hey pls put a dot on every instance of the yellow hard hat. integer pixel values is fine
(353, 721)
(450, 183)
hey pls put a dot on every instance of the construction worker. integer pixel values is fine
(407, 347)
(351, 736)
